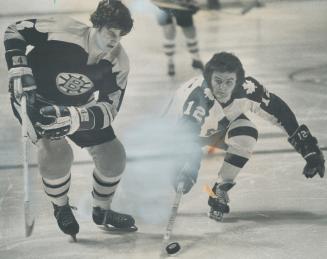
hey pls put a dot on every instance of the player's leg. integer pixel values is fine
(165, 19)
(185, 21)
(55, 158)
(109, 159)
(213, 4)
(241, 138)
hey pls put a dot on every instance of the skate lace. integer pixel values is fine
(222, 196)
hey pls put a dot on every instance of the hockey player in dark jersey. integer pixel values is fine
(179, 12)
(74, 78)
(215, 106)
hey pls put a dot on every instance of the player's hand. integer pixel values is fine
(315, 165)
(58, 121)
(307, 146)
(21, 81)
(189, 176)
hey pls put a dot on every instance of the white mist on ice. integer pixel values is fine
(156, 149)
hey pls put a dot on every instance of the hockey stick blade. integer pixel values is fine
(29, 219)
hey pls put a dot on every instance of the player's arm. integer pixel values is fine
(60, 121)
(16, 38)
(21, 81)
(192, 119)
(274, 109)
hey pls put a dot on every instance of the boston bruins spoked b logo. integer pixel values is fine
(73, 83)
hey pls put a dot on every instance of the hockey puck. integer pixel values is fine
(173, 248)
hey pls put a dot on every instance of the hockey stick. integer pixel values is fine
(172, 218)
(29, 219)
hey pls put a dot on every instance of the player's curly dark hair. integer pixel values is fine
(112, 14)
(224, 62)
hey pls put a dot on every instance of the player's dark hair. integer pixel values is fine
(112, 14)
(224, 62)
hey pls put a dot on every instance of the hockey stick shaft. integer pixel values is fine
(172, 218)
(174, 211)
(29, 220)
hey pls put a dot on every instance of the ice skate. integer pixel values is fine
(219, 202)
(113, 221)
(66, 220)
(197, 64)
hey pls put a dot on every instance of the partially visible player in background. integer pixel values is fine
(69, 64)
(179, 12)
(214, 106)
(213, 4)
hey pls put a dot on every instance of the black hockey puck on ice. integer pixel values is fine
(173, 248)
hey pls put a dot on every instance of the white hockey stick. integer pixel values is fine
(172, 217)
(29, 219)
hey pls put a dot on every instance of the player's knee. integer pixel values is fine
(169, 31)
(55, 158)
(109, 158)
(242, 137)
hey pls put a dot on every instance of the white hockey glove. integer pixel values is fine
(60, 121)
(21, 81)
(188, 176)
(189, 172)
(307, 146)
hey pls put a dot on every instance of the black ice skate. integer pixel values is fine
(66, 220)
(113, 221)
(197, 64)
(219, 203)
(171, 69)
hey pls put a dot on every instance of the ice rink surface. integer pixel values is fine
(275, 211)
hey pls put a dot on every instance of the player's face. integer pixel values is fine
(109, 38)
(223, 84)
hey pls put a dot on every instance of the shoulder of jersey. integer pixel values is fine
(189, 86)
(252, 89)
(61, 25)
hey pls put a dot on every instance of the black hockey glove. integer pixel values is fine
(59, 121)
(307, 146)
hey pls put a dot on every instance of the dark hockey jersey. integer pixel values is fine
(194, 102)
(68, 68)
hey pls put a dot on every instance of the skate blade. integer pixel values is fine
(74, 239)
(115, 230)
(217, 216)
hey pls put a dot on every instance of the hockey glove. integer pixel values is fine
(59, 121)
(188, 175)
(307, 146)
(21, 81)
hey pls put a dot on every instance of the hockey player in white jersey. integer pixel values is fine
(215, 106)
(70, 64)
